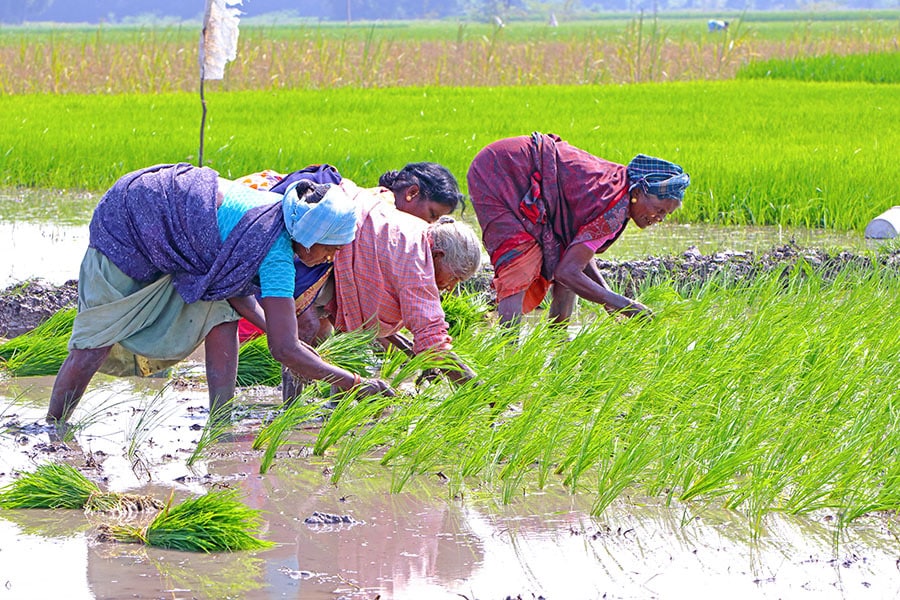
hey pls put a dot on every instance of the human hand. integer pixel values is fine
(371, 387)
(636, 309)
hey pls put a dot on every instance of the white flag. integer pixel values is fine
(218, 41)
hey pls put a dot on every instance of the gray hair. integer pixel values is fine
(460, 245)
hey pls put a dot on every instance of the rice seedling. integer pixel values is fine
(217, 426)
(215, 522)
(42, 350)
(463, 310)
(758, 396)
(256, 365)
(63, 486)
(49, 486)
(146, 418)
(274, 435)
(351, 351)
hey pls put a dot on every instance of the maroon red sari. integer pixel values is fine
(541, 189)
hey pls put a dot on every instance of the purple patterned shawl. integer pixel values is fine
(162, 220)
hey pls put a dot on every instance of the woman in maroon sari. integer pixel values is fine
(546, 207)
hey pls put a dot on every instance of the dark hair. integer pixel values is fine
(435, 181)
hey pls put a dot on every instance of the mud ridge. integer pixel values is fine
(25, 305)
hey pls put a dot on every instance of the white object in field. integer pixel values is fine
(218, 40)
(886, 225)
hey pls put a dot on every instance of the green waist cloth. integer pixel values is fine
(148, 319)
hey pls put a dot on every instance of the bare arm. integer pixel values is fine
(400, 342)
(249, 308)
(300, 357)
(571, 272)
(592, 271)
(460, 374)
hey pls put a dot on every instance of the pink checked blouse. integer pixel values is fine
(386, 276)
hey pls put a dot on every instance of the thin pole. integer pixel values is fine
(202, 57)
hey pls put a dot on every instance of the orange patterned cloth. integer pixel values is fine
(264, 180)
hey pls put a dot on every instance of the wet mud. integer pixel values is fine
(25, 305)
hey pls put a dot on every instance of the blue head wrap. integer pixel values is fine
(323, 214)
(656, 176)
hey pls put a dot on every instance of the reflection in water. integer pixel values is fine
(673, 239)
(53, 251)
(412, 545)
(46, 250)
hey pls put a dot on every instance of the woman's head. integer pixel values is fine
(320, 220)
(456, 250)
(425, 189)
(656, 188)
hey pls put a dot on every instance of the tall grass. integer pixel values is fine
(770, 396)
(759, 152)
(622, 50)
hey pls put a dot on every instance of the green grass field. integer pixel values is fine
(759, 152)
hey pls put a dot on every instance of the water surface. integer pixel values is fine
(419, 543)
(48, 239)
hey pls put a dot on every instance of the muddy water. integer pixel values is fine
(48, 240)
(419, 543)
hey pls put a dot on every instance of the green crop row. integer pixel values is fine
(870, 68)
(768, 396)
(759, 152)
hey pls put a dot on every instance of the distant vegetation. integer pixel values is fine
(82, 106)
(105, 60)
(870, 68)
(759, 152)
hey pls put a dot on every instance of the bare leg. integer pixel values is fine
(73, 378)
(563, 303)
(308, 326)
(510, 308)
(221, 348)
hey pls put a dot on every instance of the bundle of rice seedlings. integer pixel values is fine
(42, 350)
(49, 486)
(463, 310)
(121, 505)
(216, 522)
(256, 365)
(63, 486)
(351, 350)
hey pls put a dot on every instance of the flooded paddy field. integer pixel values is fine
(419, 543)
(358, 540)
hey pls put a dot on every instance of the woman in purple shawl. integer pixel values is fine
(175, 258)
(546, 207)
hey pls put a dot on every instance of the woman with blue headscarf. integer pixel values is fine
(175, 258)
(546, 207)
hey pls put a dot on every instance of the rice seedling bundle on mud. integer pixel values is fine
(42, 350)
(63, 486)
(215, 522)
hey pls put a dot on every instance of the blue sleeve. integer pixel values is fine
(277, 272)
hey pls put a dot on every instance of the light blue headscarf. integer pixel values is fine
(331, 220)
(656, 176)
